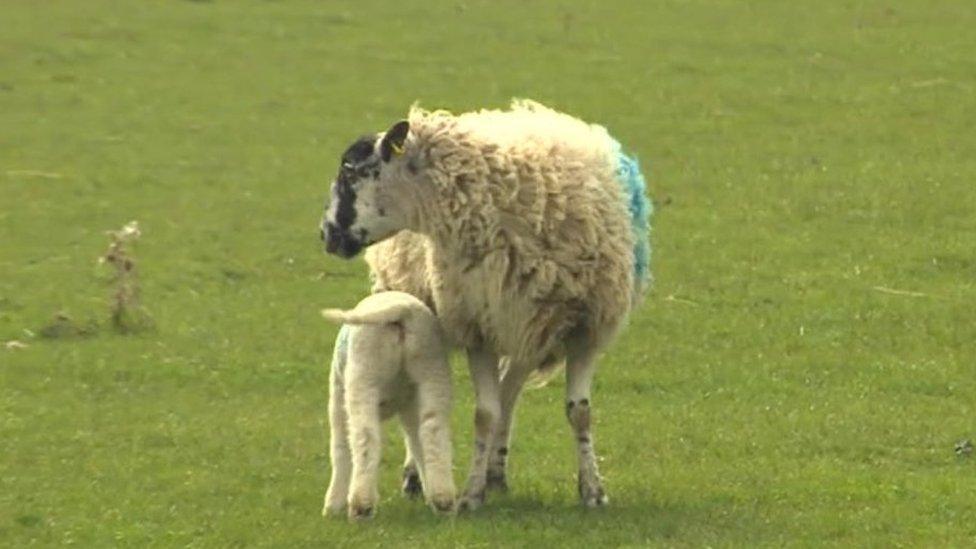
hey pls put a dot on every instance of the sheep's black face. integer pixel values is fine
(358, 163)
(365, 206)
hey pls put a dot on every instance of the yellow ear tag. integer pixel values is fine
(397, 149)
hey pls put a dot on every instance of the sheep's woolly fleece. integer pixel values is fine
(536, 229)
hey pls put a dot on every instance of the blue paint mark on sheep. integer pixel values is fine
(341, 349)
(342, 339)
(630, 178)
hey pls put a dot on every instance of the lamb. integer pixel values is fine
(389, 359)
(534, 231)
(398, 264)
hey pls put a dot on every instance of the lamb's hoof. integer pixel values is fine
(443, 506)
(364, 512)
(332, 510)
(471, 502)
(592, 494)
(495, 481)
(411, 485)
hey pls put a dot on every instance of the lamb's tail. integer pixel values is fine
(370, 312)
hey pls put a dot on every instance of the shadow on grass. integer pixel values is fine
(532, 520)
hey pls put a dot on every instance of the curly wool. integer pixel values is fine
(527, 236)
(399, 264)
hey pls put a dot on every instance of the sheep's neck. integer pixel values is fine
(456, 229)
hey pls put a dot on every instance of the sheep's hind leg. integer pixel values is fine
(580, 367)
(483, 367)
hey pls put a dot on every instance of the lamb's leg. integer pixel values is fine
(364, 426)
(511, 387)
(434, 414)
(483, 367)
(335, 496)
(580, 367)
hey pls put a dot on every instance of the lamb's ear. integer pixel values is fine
(394, 139)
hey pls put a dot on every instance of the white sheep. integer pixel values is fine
(533, 229)
(389, 359)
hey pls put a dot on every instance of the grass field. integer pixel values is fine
(799, 375)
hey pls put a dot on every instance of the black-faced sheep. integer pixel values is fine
(532, 226)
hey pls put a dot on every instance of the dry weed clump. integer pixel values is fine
(127, 315)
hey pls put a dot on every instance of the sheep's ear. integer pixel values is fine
(394, 139)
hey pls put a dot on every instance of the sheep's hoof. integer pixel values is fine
(471, 502)
(411, 485)
(595, 500)
(592, 494)
(496, 481)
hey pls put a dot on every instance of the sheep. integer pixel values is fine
(534, 231)
(389, 359)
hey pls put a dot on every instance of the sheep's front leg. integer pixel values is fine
(580, 367)
(483, 367)
(364, 426)
(511, 387)
(335, 497)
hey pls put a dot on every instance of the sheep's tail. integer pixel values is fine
(369, 313)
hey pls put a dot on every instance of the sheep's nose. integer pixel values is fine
(332, 238)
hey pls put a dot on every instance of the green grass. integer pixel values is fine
(804, 159)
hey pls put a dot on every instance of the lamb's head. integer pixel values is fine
(372, 197)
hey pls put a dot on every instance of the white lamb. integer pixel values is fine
(389, 359)
(533, 229)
